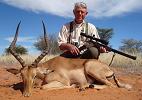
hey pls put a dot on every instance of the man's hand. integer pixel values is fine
(69, 47)
(103, 50)
(73, 49)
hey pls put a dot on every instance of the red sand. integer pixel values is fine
(9, 93)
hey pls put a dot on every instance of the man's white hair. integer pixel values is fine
(80, 5)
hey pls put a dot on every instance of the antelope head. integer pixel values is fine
(28, 72)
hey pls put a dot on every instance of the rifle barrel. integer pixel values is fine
(124, 54)
(104, 44)
(116, 51)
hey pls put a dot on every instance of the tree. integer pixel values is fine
(52, 44)
(18, 49)
(40, 44)
(131, 46)
(105, 33)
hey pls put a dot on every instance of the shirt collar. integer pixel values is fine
(78, 25)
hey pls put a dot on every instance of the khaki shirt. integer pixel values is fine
(75, 36)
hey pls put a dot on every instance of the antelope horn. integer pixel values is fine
(12, 46)
(45, 35)
(45, 52)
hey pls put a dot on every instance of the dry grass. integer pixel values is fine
(119, 61)
(10, 61)
(123, 62)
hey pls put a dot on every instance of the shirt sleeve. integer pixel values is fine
(62, 36)
(93, 31)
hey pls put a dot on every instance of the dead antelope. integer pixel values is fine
(61, 72)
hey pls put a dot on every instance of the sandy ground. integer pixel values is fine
(14, 93)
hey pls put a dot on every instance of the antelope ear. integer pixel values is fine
(13, 71)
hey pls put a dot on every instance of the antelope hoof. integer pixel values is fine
(26, 94)
(91, 86)
(81, 89)
(128, 87)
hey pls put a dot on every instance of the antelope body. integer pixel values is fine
(61, 72)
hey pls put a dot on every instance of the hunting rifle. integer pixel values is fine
(100, 42)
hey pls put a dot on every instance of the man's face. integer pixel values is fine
(80, 14)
